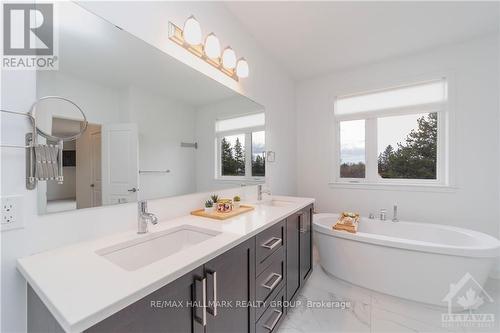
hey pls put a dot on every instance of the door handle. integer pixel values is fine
(275, 321)
(301, 223)
(203, 319)
(133, 189)
(278, 279)
(212, 308)
(271, 243)
(92, 185)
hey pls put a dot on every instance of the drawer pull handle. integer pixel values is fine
(301, 223)
(203, 319)
(213, 309)
(275, 321)
(271, 243)
(277, 279)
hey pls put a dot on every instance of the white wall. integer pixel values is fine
(66, 190)
(163, 124)
(267, 85)
(474, 134)
(100, 102)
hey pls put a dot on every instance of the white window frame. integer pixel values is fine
(248, 154)
(372, 178)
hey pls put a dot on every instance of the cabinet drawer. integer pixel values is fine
(261, 307)
(271, 278)
(269, 241)
(272, 317)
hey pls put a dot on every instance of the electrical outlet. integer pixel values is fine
(11, 208)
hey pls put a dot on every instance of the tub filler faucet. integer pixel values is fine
(383, 215)
(395, 214)
(143, 217)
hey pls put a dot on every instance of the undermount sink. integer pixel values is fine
(276, 203)
(137, 253)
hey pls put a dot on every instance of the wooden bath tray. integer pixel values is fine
(223, 216)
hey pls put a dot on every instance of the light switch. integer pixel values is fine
(270, 156)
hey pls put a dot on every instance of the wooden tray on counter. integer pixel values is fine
(223, 216)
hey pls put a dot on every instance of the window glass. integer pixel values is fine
(352, 149)
(407, 146)
(258, 154)
(232, 155)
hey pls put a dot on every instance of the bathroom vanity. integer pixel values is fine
(235, 280)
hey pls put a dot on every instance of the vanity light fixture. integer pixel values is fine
(192, 31)
(209, 50)
(242, 69)
(229, 58)
(212, 46)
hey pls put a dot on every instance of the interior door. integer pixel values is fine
(120, 163)
(88, 167)
(96, 167)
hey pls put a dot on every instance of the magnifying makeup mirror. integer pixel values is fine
(58, 119)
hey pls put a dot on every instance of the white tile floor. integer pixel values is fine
(371, 311)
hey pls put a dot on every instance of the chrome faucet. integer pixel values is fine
(260, 191)
(395, 214)
(383, 214)
(143, 217)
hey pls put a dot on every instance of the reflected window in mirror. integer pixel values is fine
(240, 147)
(258, 154)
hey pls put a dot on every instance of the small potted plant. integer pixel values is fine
(209, 206)
(214, 198)
(236, 201)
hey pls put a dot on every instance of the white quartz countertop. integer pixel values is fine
(82, 288)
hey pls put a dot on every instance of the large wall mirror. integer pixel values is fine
(156, 127)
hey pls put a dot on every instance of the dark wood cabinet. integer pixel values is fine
(292, 255)
(231, 289)
(166, 310)
(224, 284)
(305, 240)
(241, 290)
(298, 250)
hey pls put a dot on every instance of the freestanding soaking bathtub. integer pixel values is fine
(417, 261)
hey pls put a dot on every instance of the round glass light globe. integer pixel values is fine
(229, 58)
(192, 31)
(212, 46)
(242, 69)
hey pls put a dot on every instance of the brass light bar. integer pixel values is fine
(175, 34)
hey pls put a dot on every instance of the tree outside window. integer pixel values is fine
(233, 155)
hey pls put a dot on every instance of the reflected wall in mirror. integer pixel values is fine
(156, 127)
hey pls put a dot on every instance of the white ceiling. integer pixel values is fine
(310, 38)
